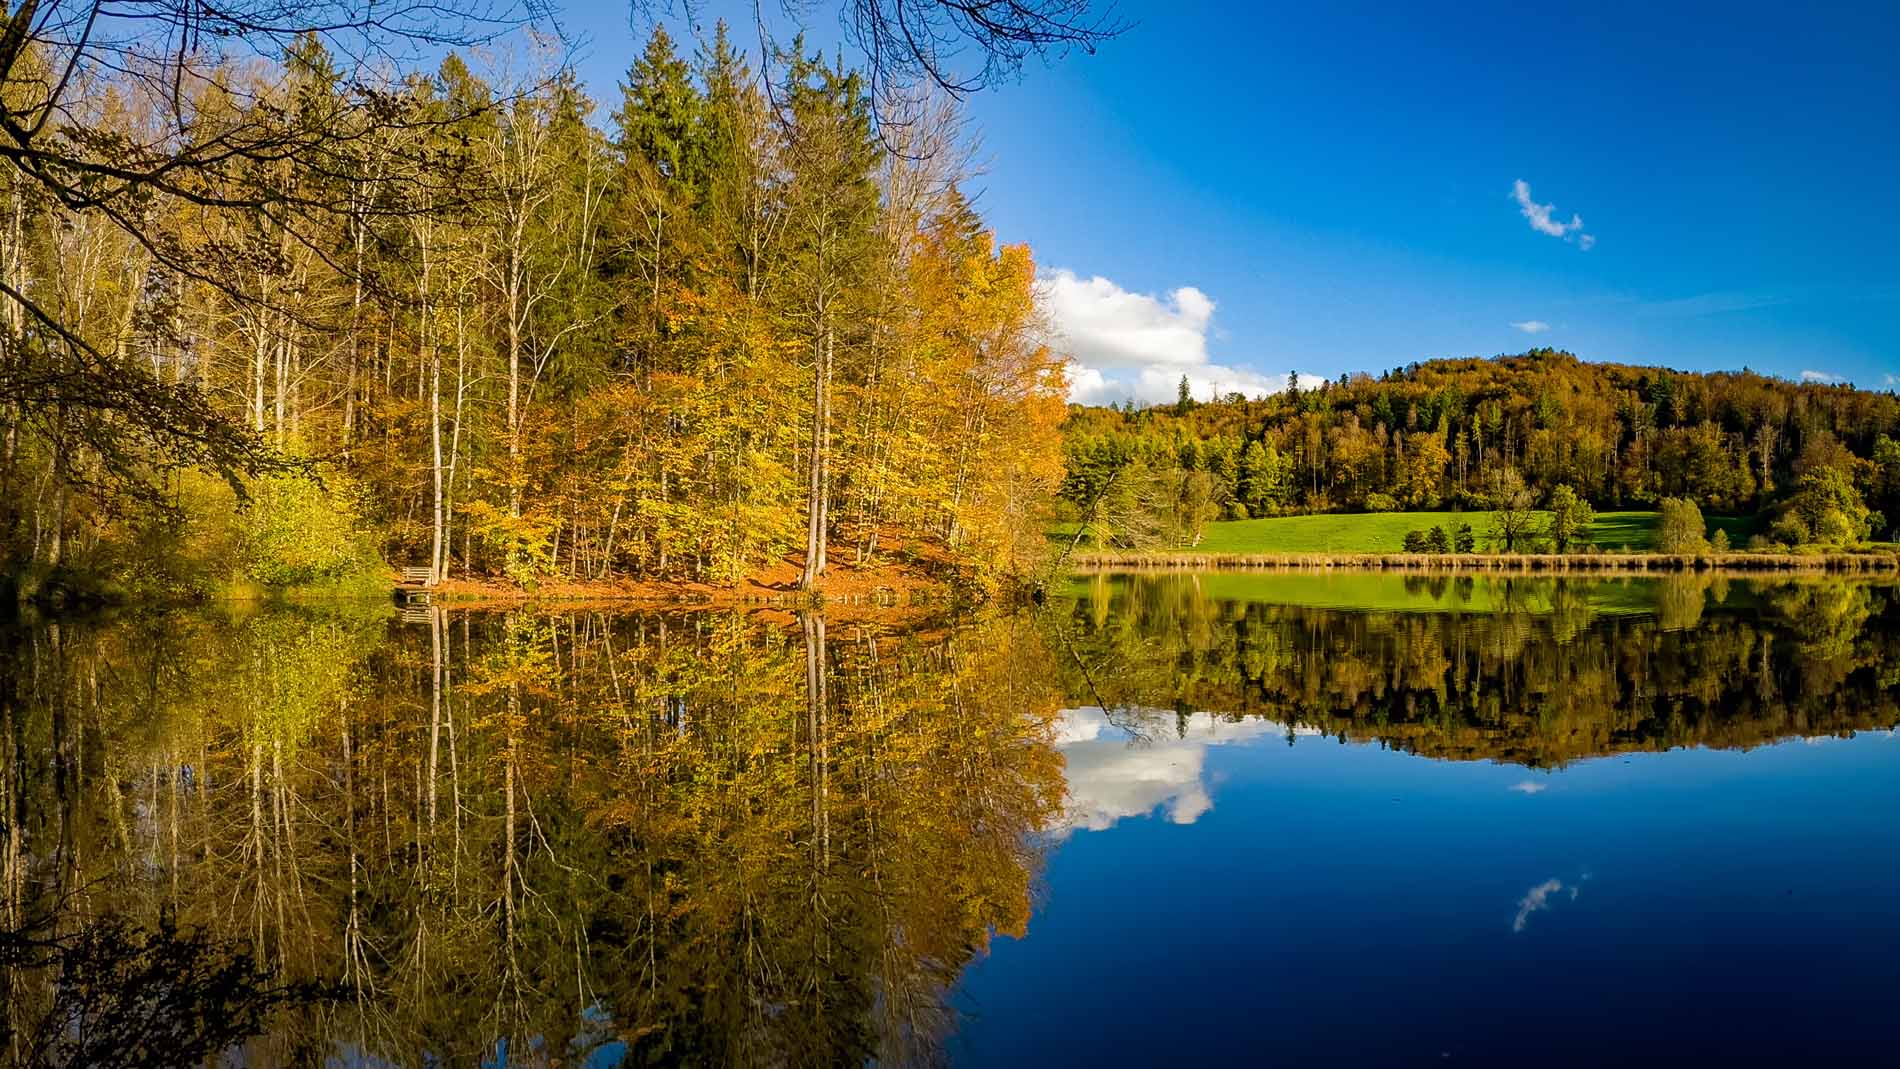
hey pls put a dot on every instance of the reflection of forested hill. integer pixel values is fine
(706, 841)
(1551, 671)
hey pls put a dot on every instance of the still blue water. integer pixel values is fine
(1238, 894)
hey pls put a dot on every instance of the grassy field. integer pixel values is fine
(1384, 532)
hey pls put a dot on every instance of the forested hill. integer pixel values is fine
(1452, 433)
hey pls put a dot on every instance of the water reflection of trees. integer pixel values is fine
(699, 838)
(1549, 671)
(692, 839)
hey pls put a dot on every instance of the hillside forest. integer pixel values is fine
(1817, 464)
(730, 320)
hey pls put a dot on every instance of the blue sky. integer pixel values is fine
(1236, 192)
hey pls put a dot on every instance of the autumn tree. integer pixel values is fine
(831, 207)
(1884, 488)
(1513, 520)
(1265, 479)
(1680, 527)
(1569, 519)
(1831, 508)
(217, 141)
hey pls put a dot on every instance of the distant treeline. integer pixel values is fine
(1470, 434)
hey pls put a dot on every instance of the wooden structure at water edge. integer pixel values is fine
(414, 586)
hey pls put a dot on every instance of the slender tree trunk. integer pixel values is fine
(815, 467)
(824, 459)
(55, 546)
(455, 437)
(515, 325)
(436, 626)
(356, 321)
(281, 392)
(817, 704)
(259, 356)
(433, 361)
(12, 316)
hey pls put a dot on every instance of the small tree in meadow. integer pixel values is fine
(1570, 519)
(1788, 529)
(1512, 518)
(1464, 539)
(1415, 541)
(1680, 528)
(1436, 542)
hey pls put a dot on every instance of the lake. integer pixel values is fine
(1346, 818)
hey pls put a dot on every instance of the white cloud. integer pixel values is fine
(1543, 219)
(1161, 383)
(1138, 346)
(1529, 787)
(1105, 326)
(1113, 776)
(1532, 326)
(1823, 376)
(1892, 380)
(1540, 214)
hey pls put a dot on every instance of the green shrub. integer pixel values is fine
(1833, 528)
(1831, 508)
(1719, 543)
(1436, 541)
(295, 532)
(1570, 519)
(1377, 502)
(1415, 541)
(1680, 528)
(523, 544)
(1464, 540)
(1788, 529)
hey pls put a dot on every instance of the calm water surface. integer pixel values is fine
(1177, 819)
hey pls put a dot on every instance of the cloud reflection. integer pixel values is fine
(1114, 773)
(1538, 898)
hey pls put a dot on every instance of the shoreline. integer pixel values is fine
(1883, 563)
(878, 588)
